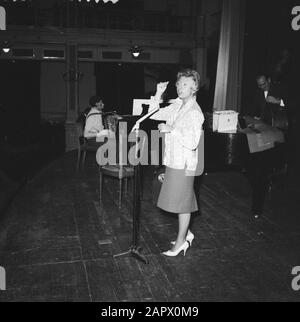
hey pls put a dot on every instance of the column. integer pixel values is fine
(71, 77)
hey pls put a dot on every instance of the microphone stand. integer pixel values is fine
(135, 249)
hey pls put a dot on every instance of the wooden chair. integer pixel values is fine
(119, 170)
(82, 147)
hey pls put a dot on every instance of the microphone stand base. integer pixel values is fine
(135, 252)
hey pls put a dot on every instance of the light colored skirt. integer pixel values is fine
(177, 192)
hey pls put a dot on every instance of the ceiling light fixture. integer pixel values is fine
(135, 51)
(113, 1)
(105, 1)
(6, 46)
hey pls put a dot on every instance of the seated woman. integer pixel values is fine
(94, 124)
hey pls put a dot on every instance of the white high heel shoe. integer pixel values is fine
(183, 248)
(189, 237)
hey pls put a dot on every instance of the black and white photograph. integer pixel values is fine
(149, 154)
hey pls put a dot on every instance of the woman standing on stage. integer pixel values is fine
(182, 129)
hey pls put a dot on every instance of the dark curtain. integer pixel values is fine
(268, 32)
(118, 84)
(205, 95)
(19, 101)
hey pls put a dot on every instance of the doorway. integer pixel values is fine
(20, 101)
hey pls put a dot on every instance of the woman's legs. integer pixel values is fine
(183, 225)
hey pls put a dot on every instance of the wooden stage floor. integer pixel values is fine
(57, 243)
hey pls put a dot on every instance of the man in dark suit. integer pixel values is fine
(268, 99)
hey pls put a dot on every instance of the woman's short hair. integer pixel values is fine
(190, 73)
(94, 99)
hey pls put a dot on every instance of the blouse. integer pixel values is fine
(181, 144)
(93, 123)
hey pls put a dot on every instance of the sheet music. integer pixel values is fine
(136, 126)
(137, 105)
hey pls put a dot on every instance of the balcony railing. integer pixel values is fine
(91, 17)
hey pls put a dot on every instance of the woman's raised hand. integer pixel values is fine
(160, 88)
